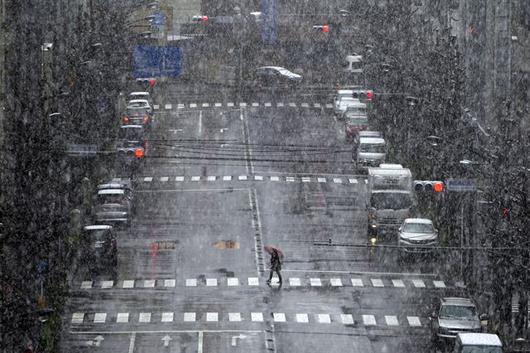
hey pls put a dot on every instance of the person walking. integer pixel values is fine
(276, 263)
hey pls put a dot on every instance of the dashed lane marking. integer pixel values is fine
(193, 105)
(205, 105)
(230, 104)
(322, 180)
(77, 318)
(369, 320)
(211, 178)
(279, 104)
(234, 317)
(167, 317)
(196, 178)
(418, 283)
(376, 282)
(295, 282)
(180, 106)
(306, 180)
(212, 317)
(100, 318)
(191, 282)
(190, 317)
(256, 317)
(414, 321)
(232, 281)
(391, 320)
(305, 105)
(253, 281)
(156, 106)
(148, 179)
(255, 104)
(86, 284)
(149, 283)
(168, 107)
(316, 105)
(279, 317)
(398, 283)
(122, 318)
(128, 284)
(144, 317)
(292, 105)
(227, 178)
(324, 318)
(179, 178)
(337, 180)
(107, 284)
(357, 282)
(169, 283)
(164, 179)
(258, 177)
(275, 178)
(218, 104)
(242, 104)
(336, 282)
(211, 282)
(439, 284)
(302, 318)
(347, 319)
(268, 104)
(242, 177)
(315, 282)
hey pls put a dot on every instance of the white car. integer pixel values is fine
(417, 235)
(139, 103)
(345, 103)
(139, 95)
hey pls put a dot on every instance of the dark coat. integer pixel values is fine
(276, 263)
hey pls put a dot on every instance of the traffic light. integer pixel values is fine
(429, 186)
(322, 28)
(139, 153)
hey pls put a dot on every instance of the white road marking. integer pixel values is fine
(303, 318)
(391, 320)
(305, 105)
(315, 282)
(149, 283)
(190, 317)
(167, 317)
(275, 178)
(236, 317)
(316, 105)
(230, 104)
(131, 342)
(414, 321)
(195, 178)
(329, 106)
(180, 106)
(242, 104)
(439, 284)
(242, 177)
(256, 317)
(347, 319)
(227, 178)
(128, 284)
(168, 106)
(211, 282)
(232, 281)
(164, 179)
(255, 104)
(292, 105)
(357, 282)
(191, 282)
(205, 105)
(322, 180)
(324, 318)
(218, 104)
(86, 284)
(169, 283)
(144, 317)
(366, 181)
(376, 282)
(268, 104)
(156, 107)
(77, 318)
(100, 318)
(290, 179)
(418, 283)
(212, 317)
(279, 317)
(211, 178)
(179, 178)
(193, 105)
(107, 284)
(200, 123)
(398, 283)
(337, 180)
(369, 320)
(148, 179)
(353, 181)
(306, 180)
(253, 281)
(258, 177)
(294, 282)
(122, 318)
(336, 282)
(279, 104)
(200, 342)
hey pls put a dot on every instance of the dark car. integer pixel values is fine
(276, 76)
(100, 248)
(112, 213)
(132, 143)
(138, 116)
(355, 120)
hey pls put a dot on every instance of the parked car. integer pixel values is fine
(453, 315)
(138, 116)
(112, 213)
(100, 247)
(276, 76)
(479, 343)
(140, 103)
(355, 120)
(417, 235)
(353, 104)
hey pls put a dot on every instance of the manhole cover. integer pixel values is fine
(226, 244)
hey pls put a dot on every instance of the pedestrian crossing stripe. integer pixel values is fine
(194, 105)
(275, 178)
(367, 320)
(255, 281)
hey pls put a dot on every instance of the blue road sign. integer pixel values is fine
(269, 25)
(156, 61)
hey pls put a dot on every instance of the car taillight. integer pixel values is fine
(146, 119)
(125, 119)
(369, 95)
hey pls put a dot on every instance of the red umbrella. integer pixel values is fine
(271, 249)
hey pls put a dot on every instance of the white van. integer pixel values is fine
(477, 343)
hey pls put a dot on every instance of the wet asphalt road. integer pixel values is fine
(221, 181)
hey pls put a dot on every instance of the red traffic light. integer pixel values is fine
(325, 28)
(369, 95)
(139, 153)
(438, 186)
(152, 82)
